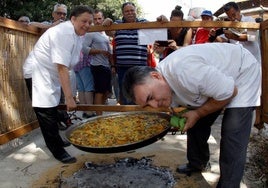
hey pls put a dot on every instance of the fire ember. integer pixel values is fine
(126, 172)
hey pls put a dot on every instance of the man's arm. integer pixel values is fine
(230, 35)
(207, 108)
(108, 22)
(64, 78)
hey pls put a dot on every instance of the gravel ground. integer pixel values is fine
(256, 170)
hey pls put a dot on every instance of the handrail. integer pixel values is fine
(8, 23)
(15, 25)
(192, 24)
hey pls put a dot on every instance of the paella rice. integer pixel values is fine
(118, 130)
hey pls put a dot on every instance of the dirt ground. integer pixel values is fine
(56, 175)
(256, 170)
(28, 163)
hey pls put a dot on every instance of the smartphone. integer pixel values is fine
(219, 31)
(163, 43)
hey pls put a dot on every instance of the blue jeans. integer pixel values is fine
(235, 132)
(84, 80)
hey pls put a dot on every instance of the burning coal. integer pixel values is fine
(127, 172)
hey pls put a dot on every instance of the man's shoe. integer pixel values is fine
(206, 168)
(188, 169)
(66, 158)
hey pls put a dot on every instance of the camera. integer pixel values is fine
(218, 32)
(163, 43)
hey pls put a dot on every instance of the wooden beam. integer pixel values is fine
(264, 55)
(8, 136)
(192, 24)
(121, 108)
(15, 25)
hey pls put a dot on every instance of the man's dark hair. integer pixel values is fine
(134, 76)
(230, 5)
(258, 20)
(80, 9)
(127, 3)
(96, 11)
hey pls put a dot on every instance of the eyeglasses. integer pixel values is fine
(61, 13)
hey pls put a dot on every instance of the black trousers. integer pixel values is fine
(48, 118)
(197, 146)
(62, 114)
(28, 82)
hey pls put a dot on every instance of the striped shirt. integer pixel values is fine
(127, 50)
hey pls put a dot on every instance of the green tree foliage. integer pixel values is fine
(41, 10)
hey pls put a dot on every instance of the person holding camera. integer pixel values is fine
(203, 34)
(177, 37)
(248, 38)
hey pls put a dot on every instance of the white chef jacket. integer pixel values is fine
(198, 72)
(58, 45)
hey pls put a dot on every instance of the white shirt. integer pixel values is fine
(198, 72)
(58, 45)
(252, 44)
(27, 66)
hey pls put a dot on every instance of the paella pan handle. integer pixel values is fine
(122, 108)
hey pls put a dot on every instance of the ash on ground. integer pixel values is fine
(256, 171)
(127, 172)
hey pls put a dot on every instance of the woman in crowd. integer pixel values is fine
(177, 36)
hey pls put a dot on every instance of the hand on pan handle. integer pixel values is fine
(178, 120)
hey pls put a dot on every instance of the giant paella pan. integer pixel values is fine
(119, 132)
